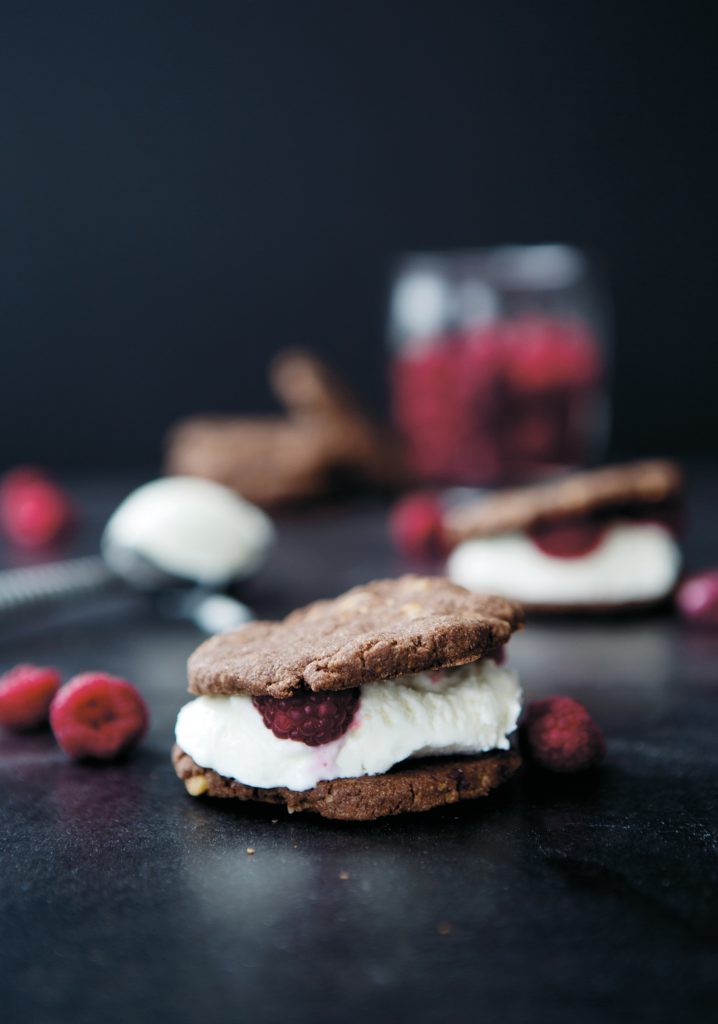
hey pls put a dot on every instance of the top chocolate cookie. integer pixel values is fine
(635, 483)
(381, 630)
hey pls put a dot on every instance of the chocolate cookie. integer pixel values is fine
(377, 631)
(638, 483)
(591, 610)
(268, 460)
(323, 442)
(411, 786)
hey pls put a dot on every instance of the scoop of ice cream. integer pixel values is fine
(189, 528)
(465, 710)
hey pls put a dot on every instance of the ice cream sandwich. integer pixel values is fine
(600, 540)
(390, 698)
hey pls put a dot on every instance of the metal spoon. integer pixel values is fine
(181, 537)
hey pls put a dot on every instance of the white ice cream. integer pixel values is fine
(192, 528)
(633, 562)
(465, 710)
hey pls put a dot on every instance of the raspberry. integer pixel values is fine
(26, 693)
(416, 526)
(98, 716)
(477, 404)
(34, 511)
(559, 734)
(550, 353)
(311, 718)
(697, 598)
(568, 539)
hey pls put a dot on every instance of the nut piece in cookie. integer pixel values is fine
(329, 709)
(600, 540)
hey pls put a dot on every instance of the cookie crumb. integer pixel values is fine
(344, 875)
(443, 928)
(250, 850)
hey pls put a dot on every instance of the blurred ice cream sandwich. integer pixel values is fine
(600, 540)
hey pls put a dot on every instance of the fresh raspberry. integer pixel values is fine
(568, 539)
(697, 598)
(416, 526)
(311, 718)
(96, 715)
(559, 734)
(34, 511)
(26, 693)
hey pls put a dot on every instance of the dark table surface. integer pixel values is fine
(590, 899)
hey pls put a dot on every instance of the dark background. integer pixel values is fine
(187, 187)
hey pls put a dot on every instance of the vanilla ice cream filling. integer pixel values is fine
(633, 562)
(464, 710)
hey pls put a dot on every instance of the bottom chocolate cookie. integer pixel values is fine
(412, 786)
(574, 610)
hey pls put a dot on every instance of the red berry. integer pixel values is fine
(34, 511)
(311, 718)
(568, 539)
(551, 352)
(26, 693)
(697, 598)
(96, 715)
(497, 654)
(559, 734)
(416, 526)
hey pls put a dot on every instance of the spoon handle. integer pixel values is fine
(53, 583)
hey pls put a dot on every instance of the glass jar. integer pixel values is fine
(499, 362)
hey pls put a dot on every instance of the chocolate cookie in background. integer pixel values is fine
(323, 443)
(595, 541)
(390, 698)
